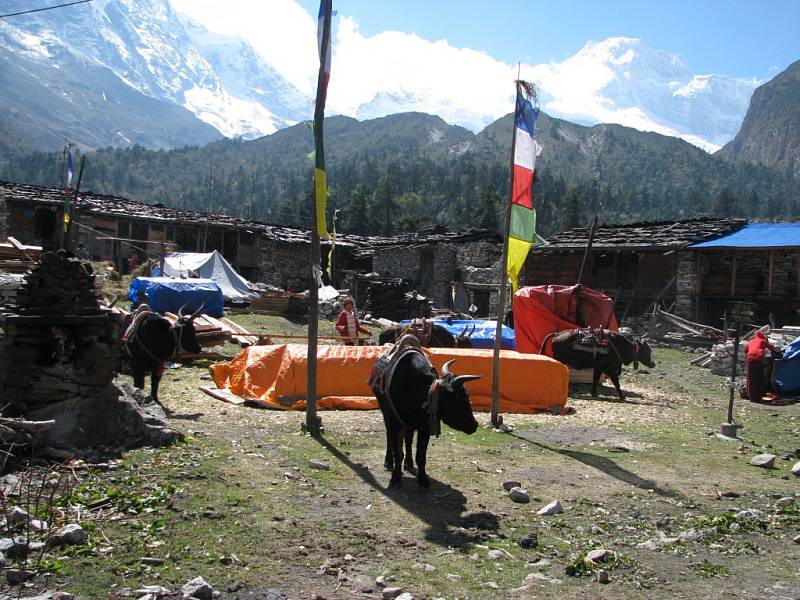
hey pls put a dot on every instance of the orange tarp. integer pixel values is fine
(276, 377)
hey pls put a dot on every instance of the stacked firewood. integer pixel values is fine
(279, 302)
(393, 299)
(16, 257)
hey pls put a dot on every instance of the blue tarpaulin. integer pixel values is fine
(758, 235)
(786, 371)
(164, 294)
(483, 337)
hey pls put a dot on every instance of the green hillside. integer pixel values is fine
(403, 171)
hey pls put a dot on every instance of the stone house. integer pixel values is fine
(758, 263)
(436, 259)
(112, 227)
(636, 264)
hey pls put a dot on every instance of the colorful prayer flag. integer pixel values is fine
(522, 221)
(69, 171)
(325, 13)
(320, 179)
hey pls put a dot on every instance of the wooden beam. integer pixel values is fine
(771, 265)
(733, 274)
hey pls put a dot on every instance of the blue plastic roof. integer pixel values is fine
(757, 235)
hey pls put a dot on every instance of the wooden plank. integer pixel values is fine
(733, 275)
(14, 242)
(222, 394)
(244, 337)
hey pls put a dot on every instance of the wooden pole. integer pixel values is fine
(313, 423)
(497, 420)
(588, 248)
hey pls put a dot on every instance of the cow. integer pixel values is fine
(417, 400)
(608, 352)
(152, 339)
(430, 334)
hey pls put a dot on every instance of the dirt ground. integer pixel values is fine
(244, 504)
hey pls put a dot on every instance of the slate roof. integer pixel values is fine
(652, 236)
(104, 205)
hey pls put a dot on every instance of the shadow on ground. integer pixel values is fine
(604, 465)
(441, 507)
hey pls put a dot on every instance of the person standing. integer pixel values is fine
(348, 326)
(755, 373)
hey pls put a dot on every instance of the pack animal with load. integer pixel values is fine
(412, 397)
(150, 340)
(599, 349)
(429, 334)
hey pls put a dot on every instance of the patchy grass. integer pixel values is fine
(240, 504)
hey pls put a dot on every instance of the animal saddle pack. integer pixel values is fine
(595, 341)
(139, 317)
(380, 378)
(421, 329)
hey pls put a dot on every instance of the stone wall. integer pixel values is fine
(686, 286)
(752, 279)
(432, 266)
(283, 265)
(3, 217)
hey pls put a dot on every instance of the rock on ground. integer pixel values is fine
(763, 460)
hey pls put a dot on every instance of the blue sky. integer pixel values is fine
(729, 37)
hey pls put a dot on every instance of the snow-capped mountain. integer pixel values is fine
(623, 80)
(151, 51)
(135, 71)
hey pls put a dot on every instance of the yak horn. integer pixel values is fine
(462, 379)
(196, 313)
(472, 331)
(446, 367)
(464, 333)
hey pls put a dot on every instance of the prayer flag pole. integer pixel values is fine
(313, 422)
(519, 229)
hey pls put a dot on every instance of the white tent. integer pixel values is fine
(209, 265)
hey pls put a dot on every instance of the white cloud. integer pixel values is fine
(436, 71)
(619, 80)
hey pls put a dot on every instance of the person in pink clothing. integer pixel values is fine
(348, 326)
(755, 371)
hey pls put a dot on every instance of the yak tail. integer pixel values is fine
(545, 340)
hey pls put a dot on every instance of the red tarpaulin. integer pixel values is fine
(544, 309)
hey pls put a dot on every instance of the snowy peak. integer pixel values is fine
(623, 80)
(254, 83)
(147, 46)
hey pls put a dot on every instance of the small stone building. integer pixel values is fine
(757, 263)
(434, 260)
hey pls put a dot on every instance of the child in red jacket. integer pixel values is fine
(348, 326)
